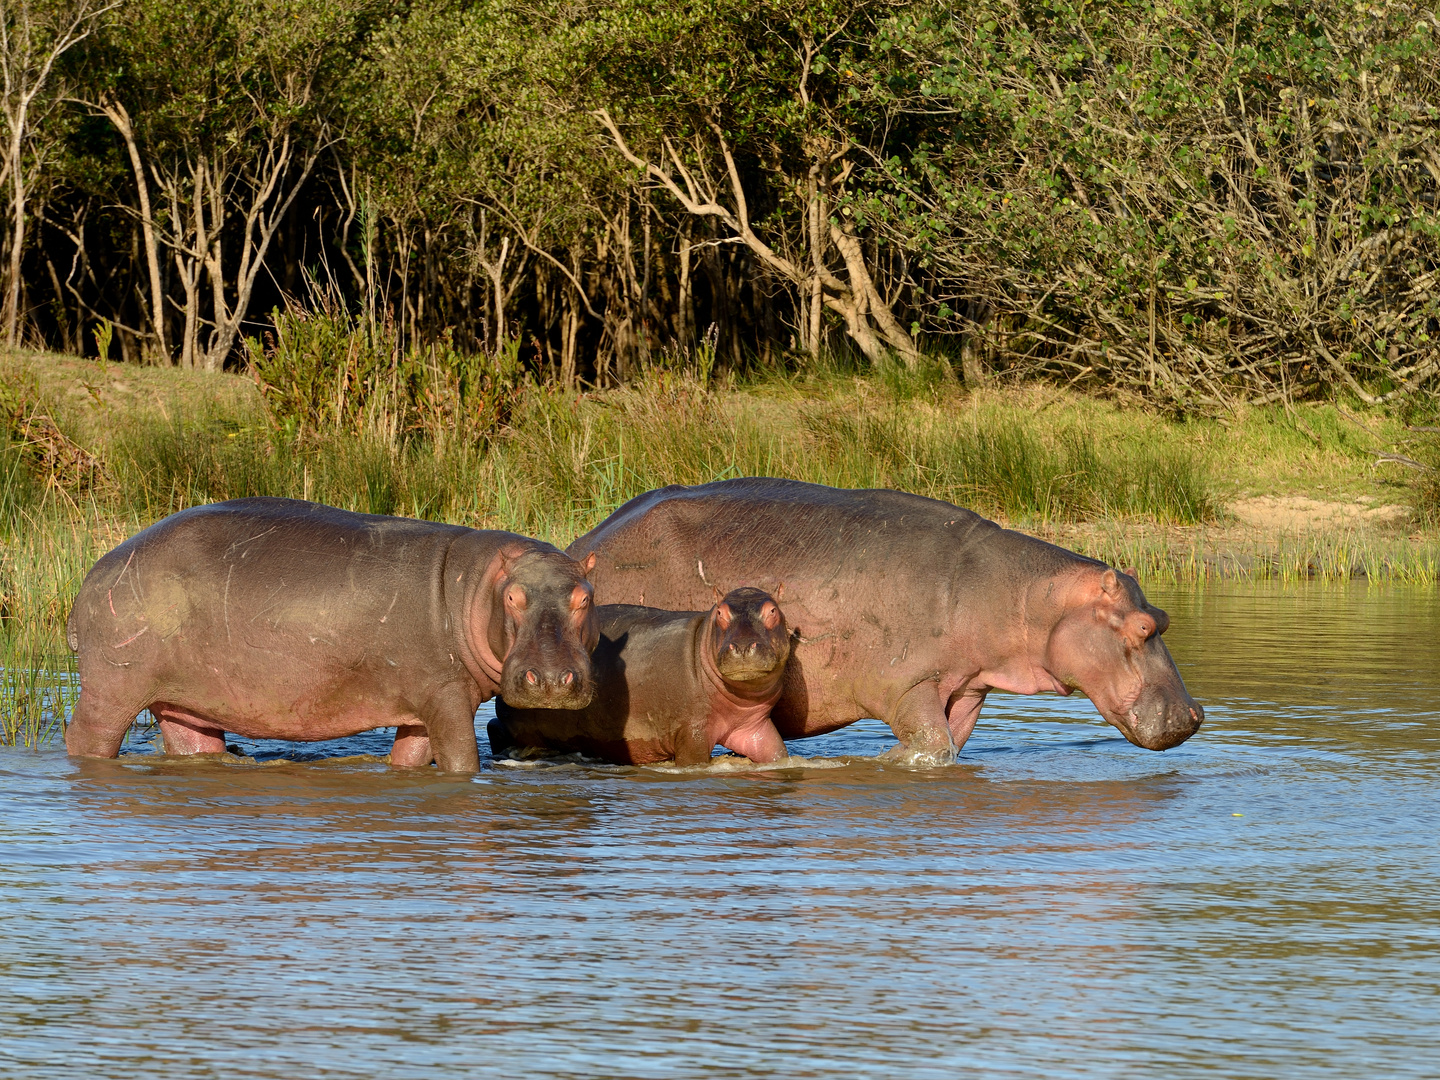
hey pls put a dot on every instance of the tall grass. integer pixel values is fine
(46, 551)
(1334, 557)
(1424, 450)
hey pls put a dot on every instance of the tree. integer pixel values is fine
(34, 35)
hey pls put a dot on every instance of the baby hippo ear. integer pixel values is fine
(588, 563)
(1133, 573)
(724, 616)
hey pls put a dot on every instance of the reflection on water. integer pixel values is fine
(1261, 901)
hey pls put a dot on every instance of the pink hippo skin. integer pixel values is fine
(280, 619)
(905, 609)
(670, 684)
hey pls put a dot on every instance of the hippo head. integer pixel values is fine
(750, 637)
(1108, 646)
(550, 628)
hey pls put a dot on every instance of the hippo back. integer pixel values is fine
(673, 546)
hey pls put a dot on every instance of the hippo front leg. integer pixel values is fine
(923, 729)
(450, 723)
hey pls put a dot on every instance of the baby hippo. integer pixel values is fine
(670, 684)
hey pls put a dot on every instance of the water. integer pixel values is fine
(1262, 901)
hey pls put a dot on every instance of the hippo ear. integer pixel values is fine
(588, 563)
(509, 556)
(718, 594)
(1110, 584)
(779, 592)
(1133, 573)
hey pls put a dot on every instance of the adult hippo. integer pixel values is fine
(907, 609)
(670, 684)
(280, 619)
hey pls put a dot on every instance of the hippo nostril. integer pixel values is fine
(754, 647)
(567, 678)
(532, 678)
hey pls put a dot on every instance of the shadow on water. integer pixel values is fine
(1259, 901)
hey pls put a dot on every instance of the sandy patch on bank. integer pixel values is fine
(1300, 513)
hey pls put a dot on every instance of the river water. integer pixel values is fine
(1263, 901)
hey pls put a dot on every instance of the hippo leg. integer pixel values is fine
(693, 745)
(450, 720)
(964, 711)
(97, 726)
(185, 733)
(412, 746)
(922, 728)
(760, 743)
(501, 740)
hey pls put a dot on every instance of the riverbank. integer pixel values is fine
(95, 452)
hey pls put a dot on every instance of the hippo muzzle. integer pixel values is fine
(1161, 718)
(546, 669)
(547, 686)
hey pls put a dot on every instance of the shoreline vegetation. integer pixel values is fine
(92, 452)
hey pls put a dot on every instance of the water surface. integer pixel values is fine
(1262, 901)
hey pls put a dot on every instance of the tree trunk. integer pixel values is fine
(17, 233)
(268, 207)
(121, 119)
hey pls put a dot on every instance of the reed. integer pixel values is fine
(1334, 557)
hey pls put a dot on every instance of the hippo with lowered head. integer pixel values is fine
(906, 609)
(670, 684)
(281, 619)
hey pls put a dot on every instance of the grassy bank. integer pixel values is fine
(93, 453)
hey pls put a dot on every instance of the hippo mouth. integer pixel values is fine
(534, 690)
(747, 669)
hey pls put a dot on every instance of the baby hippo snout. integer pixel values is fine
(567, 678)
(751, 638)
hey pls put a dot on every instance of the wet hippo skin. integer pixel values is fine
(904, 608)
(275, 618)
(670, 684)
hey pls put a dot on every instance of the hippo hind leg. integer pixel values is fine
(760, 743)
(412, 746)
(185, 733)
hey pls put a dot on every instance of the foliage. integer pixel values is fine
(1200, 202)
(1206, 200)
(325, 368)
